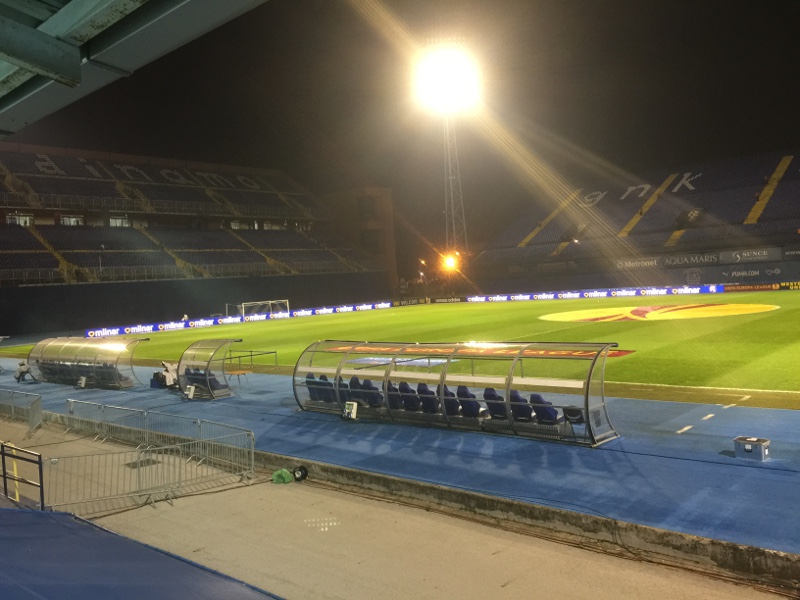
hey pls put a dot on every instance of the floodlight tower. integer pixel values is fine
(448, 83)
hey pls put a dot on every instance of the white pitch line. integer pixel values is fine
(687, 428)
(708, 416)
(744, 398)
(525, 337)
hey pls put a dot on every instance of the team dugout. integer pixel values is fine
(88, 362)
(201, 370)
(547, 390)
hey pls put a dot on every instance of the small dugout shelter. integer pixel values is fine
(86, 362)
(201, 370)
(543, 390)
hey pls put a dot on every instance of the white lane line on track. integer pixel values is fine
(729, 405)
(708, 416)
(685, 429)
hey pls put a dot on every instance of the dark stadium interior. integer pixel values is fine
(161, 158)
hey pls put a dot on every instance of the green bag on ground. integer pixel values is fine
(282, 476)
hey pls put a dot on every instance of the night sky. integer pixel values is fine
(308, 87)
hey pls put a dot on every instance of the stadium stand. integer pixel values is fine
(96, 217)
(732, 204)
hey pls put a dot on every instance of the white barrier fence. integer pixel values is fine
(22, 406)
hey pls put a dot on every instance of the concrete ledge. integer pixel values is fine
(745, 564)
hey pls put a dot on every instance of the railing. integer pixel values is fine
(143, 475)
(22, 406)
(14, 454)
(245, 358)
(152, 428)
(143, 273)
(31, 276)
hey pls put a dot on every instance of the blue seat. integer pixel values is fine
(451, 404)
(520, 409)
(430, 403)
(311, 386)
(343, 390)
(495, 402)
(545, 413)
(355, 391)
(411, 401)
(469, 406)
(371, 394)
(394, 396)
(326, 393)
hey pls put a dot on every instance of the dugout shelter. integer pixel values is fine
(86, 362)
(545, 390)
(201, 370)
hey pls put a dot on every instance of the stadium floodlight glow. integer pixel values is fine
(447, 80)
(450, 262)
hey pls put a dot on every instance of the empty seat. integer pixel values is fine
(495, 402)
(469, 406)
(451, 404)
(355, 391)
(326, 393)
(545, 413)
(520, 409)
(394, 396)
(430, 403)
(411, 401)
(343, 390)
(311, 386)
(371, 394)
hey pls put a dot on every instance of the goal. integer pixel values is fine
(262, 307)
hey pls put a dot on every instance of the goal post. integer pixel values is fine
(261, 307)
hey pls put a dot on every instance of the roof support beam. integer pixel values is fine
(40, 53)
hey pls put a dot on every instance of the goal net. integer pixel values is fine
(262, 307)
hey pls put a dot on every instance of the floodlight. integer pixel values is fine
(447, 80)
(450, 262)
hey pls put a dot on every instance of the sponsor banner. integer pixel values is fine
(692, 260)
(790, 285)
(483, 350)
(750, 256)
(446, 300)
(791, 252)
(752, 287)
(409, 302)
(629, 264)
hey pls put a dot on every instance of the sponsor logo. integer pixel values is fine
(476, 299)
(324, 311)
(228, 320)
(202, 323)
(639, 263)
(279, 315)
(140, 329)
(258, 317)
(521, 297)
(498, 298)
(104, 332)
(659, 313)
(304, 312)
(595, 294)
(345, 309)
(569, 295)
(172, 326)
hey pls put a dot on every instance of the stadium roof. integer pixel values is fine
(54, 52)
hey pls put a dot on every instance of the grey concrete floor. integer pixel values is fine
(308, 541)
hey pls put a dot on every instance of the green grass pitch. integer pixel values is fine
(748, 352)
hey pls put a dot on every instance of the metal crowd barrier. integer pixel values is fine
(22, 406)
(144, 475)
